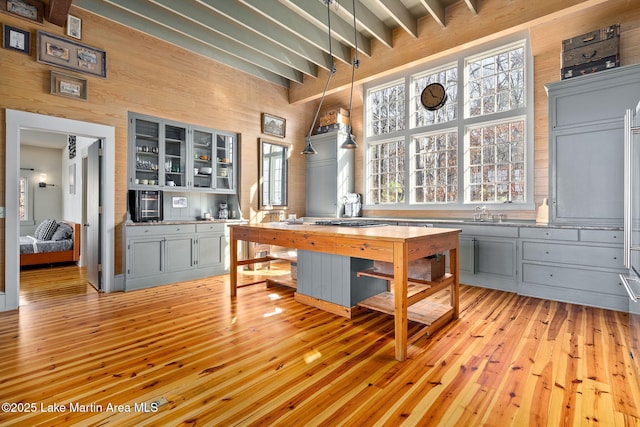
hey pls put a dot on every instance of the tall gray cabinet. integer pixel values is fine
(329, 175)
(586, 120)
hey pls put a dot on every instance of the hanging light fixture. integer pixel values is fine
(350, 142)
(308, 149)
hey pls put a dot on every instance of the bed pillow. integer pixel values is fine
(45, 229)
(63, 232)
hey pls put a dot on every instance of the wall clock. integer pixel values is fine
(433, 97)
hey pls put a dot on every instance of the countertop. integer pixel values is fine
(188, 221)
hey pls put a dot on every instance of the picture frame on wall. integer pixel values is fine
(17, 39)
(31, 10)
(273, 125)
(69, 86)
(71, 55)
(74, 27)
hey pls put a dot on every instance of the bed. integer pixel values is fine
(53, 242)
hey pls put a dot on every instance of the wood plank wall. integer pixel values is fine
(152, 77)
(149, 76)
(548, 22)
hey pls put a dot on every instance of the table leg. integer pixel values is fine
(233, 265)
(400, 284)
(455, 292)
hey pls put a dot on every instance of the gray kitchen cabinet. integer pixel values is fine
(333, 278)
(212, 247)
(329, 175)
(579, 266)
(166, 253)
(174, 156)
(586, 120)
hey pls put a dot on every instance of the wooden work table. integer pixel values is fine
(396, 244)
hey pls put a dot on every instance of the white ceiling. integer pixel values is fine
(276, 40)
(43, 139)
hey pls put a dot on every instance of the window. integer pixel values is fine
(477, 148)
(23, 203)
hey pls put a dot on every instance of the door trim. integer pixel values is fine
(15, 121)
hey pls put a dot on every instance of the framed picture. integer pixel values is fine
(33, 10)
(17, 39)
(71, 55)
(272, 125)
(69, 86)
(74, 27)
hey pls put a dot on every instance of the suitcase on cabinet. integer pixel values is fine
(591, 52)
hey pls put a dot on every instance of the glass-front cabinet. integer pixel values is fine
(175, 156)
(202, 159)
(225, 165)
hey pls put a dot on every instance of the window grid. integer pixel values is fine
(447, 77)
(495, 162)
(496, 83)
(386, 163)
(480, 158)
(387, 109)
(435, 173)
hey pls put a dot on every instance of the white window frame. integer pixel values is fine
(28, 201)
(462, 124)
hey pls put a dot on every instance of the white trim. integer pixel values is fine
(15, 122)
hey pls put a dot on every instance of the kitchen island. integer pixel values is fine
(396, 244)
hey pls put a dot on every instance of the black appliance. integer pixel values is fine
(145, 205)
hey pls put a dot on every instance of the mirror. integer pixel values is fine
(273, 174)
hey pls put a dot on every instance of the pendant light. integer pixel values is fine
(308, 149)
(350, 142)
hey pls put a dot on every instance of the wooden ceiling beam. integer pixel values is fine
(58, 11)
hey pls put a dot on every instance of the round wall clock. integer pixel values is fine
(433, 97)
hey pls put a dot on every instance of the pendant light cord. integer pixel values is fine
(332, 71)
(356, 61)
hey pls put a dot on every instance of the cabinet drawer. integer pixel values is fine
(573, 278)
(210, 228)
(602, 236)
(488, 230)
(549, 233)
(591, 256)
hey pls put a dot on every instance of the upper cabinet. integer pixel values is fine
(176, 156)
(586, 145)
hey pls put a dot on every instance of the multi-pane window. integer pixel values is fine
(472, 150)
(495, 162)
(435, 167)
(387, 107)
(496, 82)
(447, 77)
(387, 176)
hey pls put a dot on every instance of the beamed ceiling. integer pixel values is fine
(276, 40)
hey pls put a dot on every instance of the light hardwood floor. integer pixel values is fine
(264, 359)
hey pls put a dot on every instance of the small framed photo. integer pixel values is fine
(69, 86)
(32, 10)
(69, 54)
(74, 27)
(17, 39)
(273, 125)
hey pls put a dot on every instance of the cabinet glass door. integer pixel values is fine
(175, 156)
(147, 148)
(225, 173)
(202, 159)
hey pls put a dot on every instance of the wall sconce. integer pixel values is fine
(43, 181)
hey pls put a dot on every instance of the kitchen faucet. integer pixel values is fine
(481, 214)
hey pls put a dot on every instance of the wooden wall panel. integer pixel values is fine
(149, 76)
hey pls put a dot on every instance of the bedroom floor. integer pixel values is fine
(53, 283)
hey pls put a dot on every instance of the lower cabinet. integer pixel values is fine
(573, 265)
(488, 256)
(161, 254)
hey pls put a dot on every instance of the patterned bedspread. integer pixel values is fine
(31, 245)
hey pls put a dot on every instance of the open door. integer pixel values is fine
(93, 224)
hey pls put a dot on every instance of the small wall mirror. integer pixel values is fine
(273, 174)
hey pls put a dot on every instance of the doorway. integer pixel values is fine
(16, 122)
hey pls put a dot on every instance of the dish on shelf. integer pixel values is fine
(206, 171)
